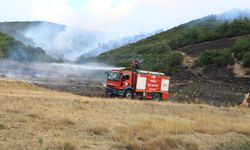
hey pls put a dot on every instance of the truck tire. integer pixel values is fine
(129, 94)
(157, 97)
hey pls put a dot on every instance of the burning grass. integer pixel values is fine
(37, 118)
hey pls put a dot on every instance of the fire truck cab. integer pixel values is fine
(137, 84)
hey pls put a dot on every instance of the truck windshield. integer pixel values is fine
(113, 76)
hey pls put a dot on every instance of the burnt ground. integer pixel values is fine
(216, 86)
(80, 87)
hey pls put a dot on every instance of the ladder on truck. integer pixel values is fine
(150, 72)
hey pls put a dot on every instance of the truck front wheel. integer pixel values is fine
(129, 94)
(156, 97)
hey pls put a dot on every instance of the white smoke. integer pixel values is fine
(234, 14)
(64, 42)
(112, 44)
(70, 43)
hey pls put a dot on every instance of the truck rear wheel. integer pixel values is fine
(129, 94)
(156, 97)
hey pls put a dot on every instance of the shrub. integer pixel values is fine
(216, 58)
(246, 59)
(169, 63)
(173, 63)
(240, 47)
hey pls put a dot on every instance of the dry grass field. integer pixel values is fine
(33, 118)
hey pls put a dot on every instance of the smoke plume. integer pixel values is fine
(64, 42)
(234, 14)
(70, 43)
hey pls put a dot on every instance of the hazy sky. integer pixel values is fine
(124, 17)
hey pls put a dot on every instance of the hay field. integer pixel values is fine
(33, 118)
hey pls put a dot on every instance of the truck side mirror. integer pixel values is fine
(106, 73)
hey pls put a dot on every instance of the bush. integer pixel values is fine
(175, 59)
(216, 58)
(240, 47)
(246, 59)
(169, 62)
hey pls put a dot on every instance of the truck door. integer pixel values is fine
(125, 80)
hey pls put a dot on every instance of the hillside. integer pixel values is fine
(58, 41)
(16, 50)
(17, 29)
(36, 118)
(208, 59)
(160, 46)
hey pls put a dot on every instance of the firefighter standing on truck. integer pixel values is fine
(135, 65)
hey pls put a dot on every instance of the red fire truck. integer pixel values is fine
(137, 84)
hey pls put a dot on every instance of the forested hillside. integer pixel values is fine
(16, 50)
(160, 52)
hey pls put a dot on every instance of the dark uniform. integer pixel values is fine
(135, 65)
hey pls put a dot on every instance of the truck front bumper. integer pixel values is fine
(114, 92)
